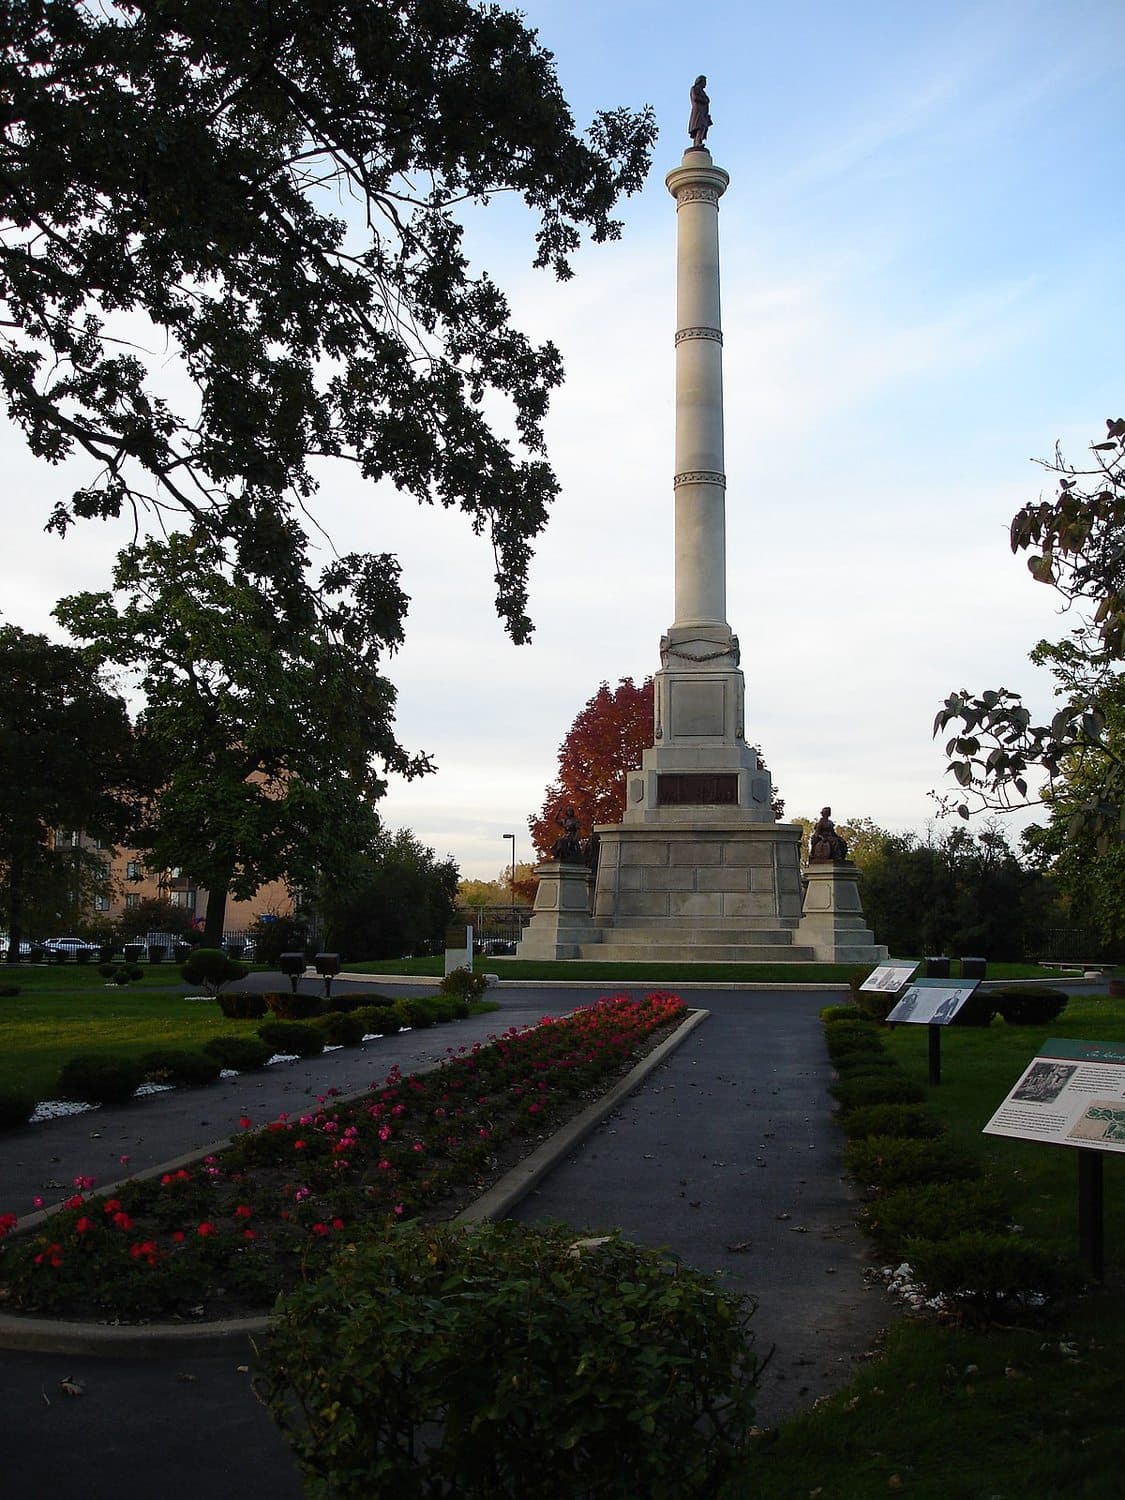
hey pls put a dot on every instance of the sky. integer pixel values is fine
(922, 255)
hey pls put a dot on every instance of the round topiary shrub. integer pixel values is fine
(911, 1121)
(242, 1054)
(180, 1066)
(598, 1368)
(300, 1037)
(464, 985)
(241, 1005)
(342, 1028)
(1030, 1005)
(290, 1007)
(416, 1013)
(210, 967)
(934, 1211)
(16, 1108)
(887, 1162)
(96, 1078)
(985, 1273)
(978, 1010)
(107, 971)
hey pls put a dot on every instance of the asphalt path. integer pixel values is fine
(726, 1155)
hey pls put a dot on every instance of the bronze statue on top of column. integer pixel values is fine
(700, 121)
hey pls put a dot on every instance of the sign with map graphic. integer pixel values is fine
(932, 1002)
(888, 979)
(1072, 1094)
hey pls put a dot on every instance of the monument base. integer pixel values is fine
(832, 922)
(560, 922)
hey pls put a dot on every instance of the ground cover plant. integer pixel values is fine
(226, 1235)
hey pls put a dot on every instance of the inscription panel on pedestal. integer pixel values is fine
(697, 709)
(693, 789)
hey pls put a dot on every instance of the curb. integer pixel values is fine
(156, 1340)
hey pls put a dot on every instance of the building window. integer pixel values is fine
(133, 870)
(184, 899)
(100, 844)
(101, 903)
(132, 899)
(65, 839)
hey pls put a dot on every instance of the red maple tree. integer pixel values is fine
(604, 742)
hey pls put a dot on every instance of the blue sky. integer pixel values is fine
(922, 251)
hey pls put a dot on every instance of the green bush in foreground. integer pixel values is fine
(503, 1361)
(92, 1078)
(210, 967)
(1030, 1005)
(913, 1121)
(888, 1086)
(341, 1028)
(301, 1038)
(242, 1005)
(464, 985)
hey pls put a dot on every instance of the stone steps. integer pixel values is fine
(684, 933)
(637, 949)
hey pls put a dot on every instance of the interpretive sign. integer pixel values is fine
(888, 978)
(1072, 1094)
(932, 1002)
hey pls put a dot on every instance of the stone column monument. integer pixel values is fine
(699, 868)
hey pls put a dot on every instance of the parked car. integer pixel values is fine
(24, 949)
(71, 946)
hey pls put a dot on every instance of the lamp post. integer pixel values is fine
(512, 881)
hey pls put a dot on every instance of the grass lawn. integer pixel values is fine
(63, 1010)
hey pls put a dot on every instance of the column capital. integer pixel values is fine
(697, 179)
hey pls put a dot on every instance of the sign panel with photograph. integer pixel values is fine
(932, 1002)
(1072, 1094)
(888, 978)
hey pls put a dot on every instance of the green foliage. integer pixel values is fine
(289, 1007)
(597, 1368)
(342, 1029)
(978, 1010)
(1030, 1005)
(934, 1211)
(241, 1005)
(180, 1066)
(95, 1078)
(152, 914)
(887, 1086)
(984, 1273)
(281, 934)
(8, 991)
(833, 1014)
(299, 1037)
(415, 1013)
(210, 967)
(242, 1054)
(392, 897)
(463, 984)
(889, 1162)
(16, 1108)
(912, 1121)
(377, 1018)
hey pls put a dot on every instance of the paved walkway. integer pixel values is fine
(727, 1155)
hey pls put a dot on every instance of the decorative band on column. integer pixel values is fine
(695, 194)
(699, 476)
(699, 333)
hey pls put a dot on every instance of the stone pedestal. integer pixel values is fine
(832, 922)
(560, 922)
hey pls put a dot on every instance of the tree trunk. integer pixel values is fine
(15, 909)
(213, 923)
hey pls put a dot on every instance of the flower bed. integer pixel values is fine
(223, 1238)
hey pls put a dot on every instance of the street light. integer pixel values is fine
(512, 882)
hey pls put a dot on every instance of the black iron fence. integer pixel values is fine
(496, 929)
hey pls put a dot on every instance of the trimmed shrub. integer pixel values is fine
(597, 1367)
(859, 1064)
(852, 1046)
(374, 1017)
(290, 1007)
(9, 991)
(82, 955)
(908, 1121)
(1033, 1005)
(984, 1273)
(243, 1054)
(133, 952)
(301, 1037)
(934, 1211)
(157, 953)
(462, 985)
(94, 1078)
(887, 1162)
(209, 968)
(180, 1065)
(978, 1010)
(241, 1005)
(415, 1013)
(834, 1013)
(876, 1004)
(888, 1086)
(107, 971)
(342, 1028)
(16, 1108)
